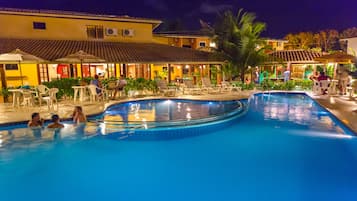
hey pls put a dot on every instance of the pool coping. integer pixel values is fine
(192, 98)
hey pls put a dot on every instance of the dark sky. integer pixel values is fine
(281, 16)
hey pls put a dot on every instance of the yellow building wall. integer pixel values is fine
(18, 26)
(29, 73)
(194, 42)
(161, 40)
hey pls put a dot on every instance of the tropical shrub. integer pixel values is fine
(64, 86)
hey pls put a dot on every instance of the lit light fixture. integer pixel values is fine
(187, 66)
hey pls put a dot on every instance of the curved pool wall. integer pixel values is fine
(214, 115)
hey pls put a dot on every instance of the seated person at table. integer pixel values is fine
(314, 76)
(36, 120)
(78, 115)
(56, 122)
(97, 83)
(322, 76)
(120, 85)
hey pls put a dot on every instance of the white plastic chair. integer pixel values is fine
(163, 88)
(51, 99)
(190, 87)
(93, 95)
(41, 92)
(207, 85)
(324, 86)
(27, 98)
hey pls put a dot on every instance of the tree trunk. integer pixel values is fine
(242, 73)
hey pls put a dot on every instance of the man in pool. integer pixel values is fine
(56, 122)
(36, 120)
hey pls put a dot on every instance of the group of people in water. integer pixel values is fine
(37, 122)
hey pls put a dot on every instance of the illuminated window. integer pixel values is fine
(111, 70)
(95, 31)
(39, 25)
(11, 67)
(202, 44)
(43, 72)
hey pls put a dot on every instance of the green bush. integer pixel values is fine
(64, 86)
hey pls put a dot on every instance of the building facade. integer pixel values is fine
(126, 44)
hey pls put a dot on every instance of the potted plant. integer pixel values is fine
(5, 94)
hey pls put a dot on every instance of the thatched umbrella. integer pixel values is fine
(20, 57)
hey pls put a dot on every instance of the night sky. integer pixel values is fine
(281, 16)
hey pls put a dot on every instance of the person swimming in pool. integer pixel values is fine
(56, 122)
(36, 120)
(78, 115)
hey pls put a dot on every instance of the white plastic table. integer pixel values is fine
(16, 95)
(79, 92)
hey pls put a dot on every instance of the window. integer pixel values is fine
(111, 70)
(95, 32)
(43, 72)
(202, 44)
(39, 25)
(11, 67)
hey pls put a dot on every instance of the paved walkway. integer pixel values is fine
(341, 106)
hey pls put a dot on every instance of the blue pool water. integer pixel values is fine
(286, 147)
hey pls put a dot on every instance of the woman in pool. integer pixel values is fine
(36, 120)
(56, 122)
(78, 115)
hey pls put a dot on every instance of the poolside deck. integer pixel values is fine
(342, 107)
(11, 114)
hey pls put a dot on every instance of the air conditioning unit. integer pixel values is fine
(128, 32)
(111, 31)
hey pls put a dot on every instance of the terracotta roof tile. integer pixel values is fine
(297, 56)
(110, 51)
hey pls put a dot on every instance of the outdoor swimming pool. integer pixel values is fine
(286, 147)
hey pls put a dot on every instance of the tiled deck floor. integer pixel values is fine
(341, 106)
(11, 114)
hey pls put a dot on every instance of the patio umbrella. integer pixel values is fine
(20, 57)
(80, 57)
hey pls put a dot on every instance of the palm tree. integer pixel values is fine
(238, 40)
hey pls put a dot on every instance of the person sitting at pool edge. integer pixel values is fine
(56, 122)
(78, 115)
(36, 120)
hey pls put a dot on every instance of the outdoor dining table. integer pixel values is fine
(79, 92)
(16, 95)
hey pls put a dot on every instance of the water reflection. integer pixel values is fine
(20, 138)
(294, 108)
(168, 110)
